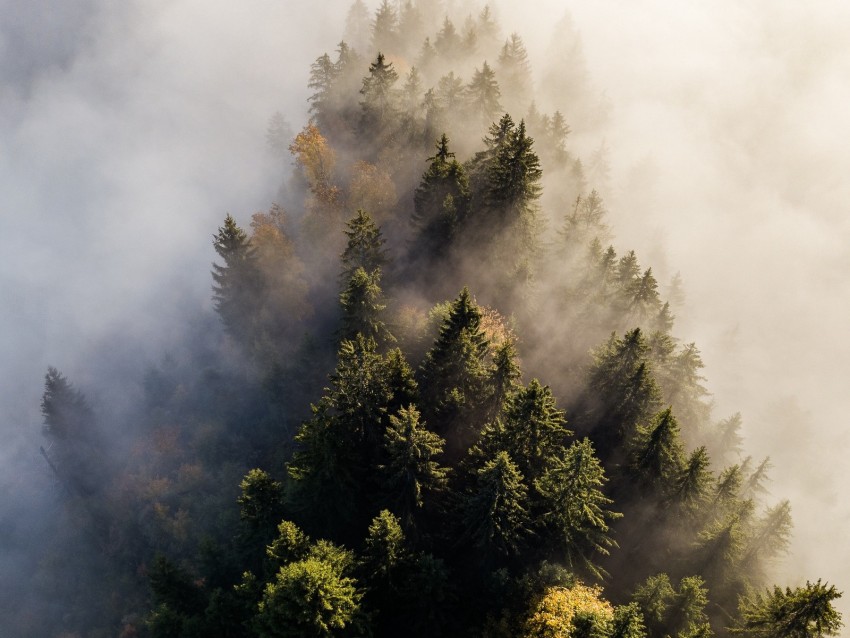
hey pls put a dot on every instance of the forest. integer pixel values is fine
(432, 399)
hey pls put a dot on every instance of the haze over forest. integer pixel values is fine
(129, 132)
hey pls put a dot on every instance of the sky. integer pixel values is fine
(128, 130)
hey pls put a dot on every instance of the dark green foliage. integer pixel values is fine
(494, 514)
(657, 458)
(623, 391)
(576, 511)
(628, 622)
(362, 307)
(453, 376)
(440, 204)
(365, 246)
(533, 429)
(237, 283)
(803, 612)
(446, 502)
(411, 471)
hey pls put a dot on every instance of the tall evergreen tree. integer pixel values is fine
(411, 470)
(494, 514)
(575, 511)
(237, 283)
(453, 376)
(440, 203)
(483, 95)
(365, 246)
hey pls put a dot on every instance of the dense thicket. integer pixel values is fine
(438, 403)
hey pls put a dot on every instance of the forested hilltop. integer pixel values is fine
(434, 399)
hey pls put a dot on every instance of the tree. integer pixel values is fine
(534, 429)
(365, 246)
(623, 392)
(310, 597)
(237, 283)
(411, 470)
(76, 453)
(379, 101)
(575, 512)
(494, 515)
(578, 611)
(515, 73)
(453, 376)
(483, 94)
(440, 203)
(657, 457)
(260, 504)
(803, 612)
(385, 36)
(362, 307)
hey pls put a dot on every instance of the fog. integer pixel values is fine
(128, 131)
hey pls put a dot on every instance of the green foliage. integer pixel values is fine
(237, 283)
(411, 471)
(494, 514)
(453, 375)
(575, 508)
(803, 612)
(310, 597)
(365, 246)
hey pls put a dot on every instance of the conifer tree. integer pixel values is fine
(365, 246)
(624, 392)
(483, 95)
(803, 612)
(453, 376)
(379, 105)
(236, 289)
(76, 453)
(515, 73)
(534, 429)
(385, 36)
(657, 457)
(440, 203)
(494, 515)
(363, 307)
(575, 514)
(411, 470)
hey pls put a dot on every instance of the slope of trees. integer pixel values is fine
(433, 402)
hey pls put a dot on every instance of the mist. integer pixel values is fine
(128, 132)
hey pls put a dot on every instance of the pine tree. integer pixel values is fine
(411, 470)
(385, 36)
(575, 514)
(657, 457)
(440, 204)
(534, 429)
(363, 307)
(494, 515)
(379, 104)
(515, 74)
(623, 391)
(236, 289)
(483, 95)
(803, 612)
(453, 377)
(365, 246)
(76, 452)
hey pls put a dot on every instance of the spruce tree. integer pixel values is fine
(494, 514)
(575, 510)
(237, 283)
(453, 377)
(411, 470)
(440, 204)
